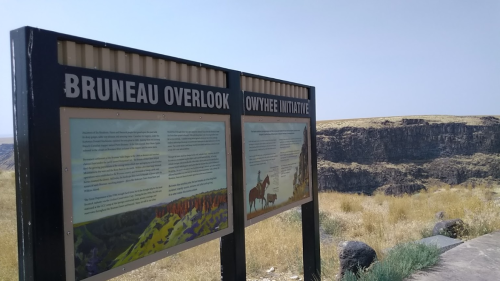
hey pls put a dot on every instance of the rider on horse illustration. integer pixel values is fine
(259, 183)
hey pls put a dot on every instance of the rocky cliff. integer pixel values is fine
(6, 156)
(363, 155)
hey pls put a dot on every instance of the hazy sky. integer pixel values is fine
(365, 58)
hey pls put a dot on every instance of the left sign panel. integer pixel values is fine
(139, 186)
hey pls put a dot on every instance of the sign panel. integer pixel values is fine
(277, 165)
(141, 185)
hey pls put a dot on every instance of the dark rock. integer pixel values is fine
(6, 156)
(409, 143)
(440, 215)
(387, 123)
(407, 122)
(450, 228)
(362, 156)
(490, 120)
(355, 256)
(401, 189)
(457, 170)
(365, 179)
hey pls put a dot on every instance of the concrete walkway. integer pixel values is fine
(475, 260)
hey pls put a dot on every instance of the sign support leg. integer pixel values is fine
(310, 211)
(232, 246)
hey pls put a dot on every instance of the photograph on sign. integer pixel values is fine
(276, 165)
(137, 183)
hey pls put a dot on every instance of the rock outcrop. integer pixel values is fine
(450, 228)
(354, 256)
(363, 155)
(7, 156)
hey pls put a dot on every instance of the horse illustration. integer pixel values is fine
(255, 194)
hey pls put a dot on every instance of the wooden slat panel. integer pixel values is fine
(203, 76)
(220, 79)
(88, 56)
(173, 71)
(69, 57)
(149, 68)
(161, 69)
(60, 52)
(120, 62)
(256, 85)
(243, 83)
(264, 86)
(193, 74)
(79, 55)
(250, 84)
(184, 74)
(212, 80)
(97, 60)
(104, 59)
(112, 60)
(135, 66)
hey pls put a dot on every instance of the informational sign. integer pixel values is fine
(139, 183)
(276, 164)
(125, 156)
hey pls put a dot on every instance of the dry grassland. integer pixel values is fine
(377, 122)
(6, 140)
(8, 227)
(379, 221)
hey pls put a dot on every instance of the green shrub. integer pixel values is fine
(331, 226)
(290, 217)
(399, 263)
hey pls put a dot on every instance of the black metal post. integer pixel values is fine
(19, 39)
(232, 246)
(37, 154)
(310, 211)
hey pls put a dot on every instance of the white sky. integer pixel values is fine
(365, 58)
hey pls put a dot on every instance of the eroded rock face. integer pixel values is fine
(362, 155)
(402, 189)
(406, 143)
(6, 156)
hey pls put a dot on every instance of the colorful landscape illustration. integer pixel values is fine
(113, 241)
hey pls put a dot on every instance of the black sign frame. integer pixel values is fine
(38, 88)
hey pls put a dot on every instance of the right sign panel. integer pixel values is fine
(277, 165)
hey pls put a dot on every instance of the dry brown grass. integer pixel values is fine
(380, 221)
(377, 122)
(386, 221)
(8, 229)
(350, 203)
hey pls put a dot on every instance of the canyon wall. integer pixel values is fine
(363, 155)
